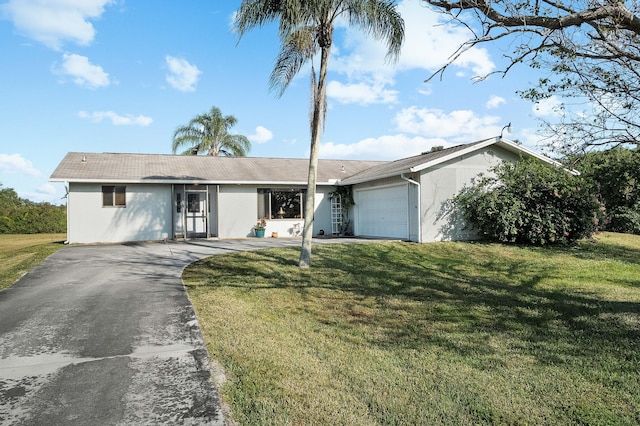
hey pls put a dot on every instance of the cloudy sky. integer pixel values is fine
(120, 76)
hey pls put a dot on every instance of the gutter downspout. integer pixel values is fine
(417, 184)
(67, 188)
(217, 216)
(174, 209)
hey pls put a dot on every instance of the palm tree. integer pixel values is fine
(209, 133)
(306, 28)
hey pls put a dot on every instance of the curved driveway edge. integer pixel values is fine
(107, 335)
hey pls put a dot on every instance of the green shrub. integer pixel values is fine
(625, 219)
(530, 202)
(615, 175)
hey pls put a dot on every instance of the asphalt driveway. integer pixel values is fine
(104, 335)
(107, 335)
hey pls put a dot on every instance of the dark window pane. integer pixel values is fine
(193, 203)
(120, 196)
(285, 204)
(107, 196)
(281, 203)
(114, 196)
(263, 203)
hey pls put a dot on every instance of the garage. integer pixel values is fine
(382, 211)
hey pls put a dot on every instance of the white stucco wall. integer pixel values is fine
(322, 217)
(441, 183)
(147, 214)
(213, 210)
(238, 213)
(237, 210)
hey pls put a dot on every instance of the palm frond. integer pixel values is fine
(380, 19)
(256, 13)
(298, 47)
(208, 133)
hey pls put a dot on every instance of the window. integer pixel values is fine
(193, 203)
(281, 203)
(114, 196)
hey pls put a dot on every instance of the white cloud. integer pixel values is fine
(47, 192)
(361, 93)
(47, 189)
(428, 45)
(531, 138)
(83, 72)
(548, 107)
(261, 135)
(430, 127)
(116, 119)
(425, 90)
(462, 126)
(495, 101)
(182, 75)
(16, 164)
(429, 41)
(52, 22)
(382, 148)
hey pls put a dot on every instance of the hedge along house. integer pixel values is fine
(138, 197)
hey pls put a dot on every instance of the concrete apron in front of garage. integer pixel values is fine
(107, 335)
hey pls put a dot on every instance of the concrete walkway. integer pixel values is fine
(106, 335)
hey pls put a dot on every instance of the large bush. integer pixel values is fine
(615, 175)
(530, 202)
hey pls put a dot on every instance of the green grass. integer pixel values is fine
(20, 253)
(444, 333)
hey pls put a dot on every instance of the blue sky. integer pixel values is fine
(120, 76)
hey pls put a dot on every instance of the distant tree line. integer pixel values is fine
(22, 216)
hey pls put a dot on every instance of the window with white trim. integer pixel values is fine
(114, 196)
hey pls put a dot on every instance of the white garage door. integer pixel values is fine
(382, 212)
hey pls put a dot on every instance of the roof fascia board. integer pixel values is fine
(541, 157)
(191, 182)
(377, 177)
(505, 143)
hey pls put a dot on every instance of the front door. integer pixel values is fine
(196, 215)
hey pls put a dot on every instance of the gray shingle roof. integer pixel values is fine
(395, 168)
(131, 168)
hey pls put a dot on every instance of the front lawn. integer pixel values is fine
(20, 253)
(443, 333)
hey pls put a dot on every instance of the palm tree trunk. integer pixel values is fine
(316, 130)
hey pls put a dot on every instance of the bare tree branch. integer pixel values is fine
(624, 18)
(591, 49)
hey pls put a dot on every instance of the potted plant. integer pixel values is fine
(260, 227)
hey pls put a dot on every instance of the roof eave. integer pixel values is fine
(331, 182)
(505, 143)
(355, 181)
(514, 146)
